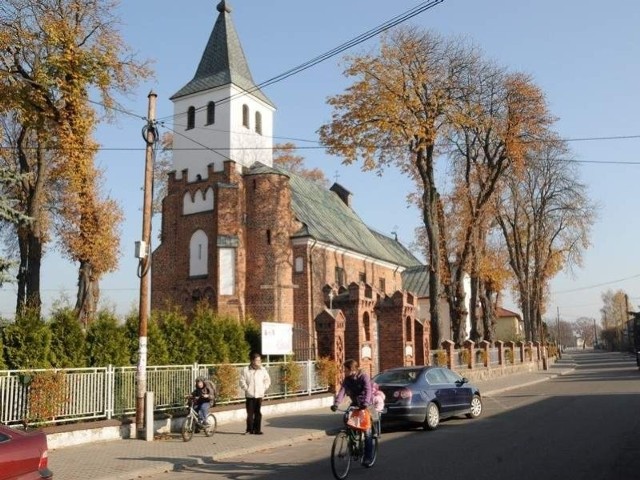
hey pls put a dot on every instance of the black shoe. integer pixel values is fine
(258, 433)
(367, 463)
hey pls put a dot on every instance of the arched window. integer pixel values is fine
(211, 113)
(245, 115)
(366, 323)
(191, 118)
(258, 123)
(198, 254)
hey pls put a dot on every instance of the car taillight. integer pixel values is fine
(403, 393)
(44, 460)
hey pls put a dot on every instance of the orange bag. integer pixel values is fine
(360, 420)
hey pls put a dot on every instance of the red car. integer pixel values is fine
(23, 455)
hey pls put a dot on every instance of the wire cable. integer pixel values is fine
(398, 19)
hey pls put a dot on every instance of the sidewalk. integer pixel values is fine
(130, 459)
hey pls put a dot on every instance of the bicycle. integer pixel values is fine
(348, 445)
(192, 421)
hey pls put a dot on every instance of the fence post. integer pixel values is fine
(449, 347)
(109, 406)
(309, 375)
(500, 347)
(484, 345)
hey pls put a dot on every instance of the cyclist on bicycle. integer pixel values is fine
(357, 386)
(202, 396)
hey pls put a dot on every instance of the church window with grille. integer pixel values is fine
(408, 328)
(340, 276)
(362, 277)
(258, 123)
(191, 118)
(211, 113)
(245, 115)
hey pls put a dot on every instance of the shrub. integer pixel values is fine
(107, 342)
(508, 355)
(465, 355)
(47, 396)
(157, 348)
(27, 342)
(327, 371)
(227, 379)
(441, 358)
(179, 338)
(291, 377)
(68, 342)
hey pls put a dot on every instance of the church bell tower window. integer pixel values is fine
(258, 123)
(191, 118)
(211, 113)
(245, 115)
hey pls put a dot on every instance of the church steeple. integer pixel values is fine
(223, 61)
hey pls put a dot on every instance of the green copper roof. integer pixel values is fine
(328, 219)
(223, 61)
(416, 280)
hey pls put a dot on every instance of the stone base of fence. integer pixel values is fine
(81, 433)
(479, 374)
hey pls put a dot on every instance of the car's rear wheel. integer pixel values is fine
(432, 419)
(476, 407)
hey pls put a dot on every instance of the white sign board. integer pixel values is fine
(277, 338)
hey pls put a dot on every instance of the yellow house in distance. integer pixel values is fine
(509, 325)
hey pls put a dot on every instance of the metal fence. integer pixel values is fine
(104, 393)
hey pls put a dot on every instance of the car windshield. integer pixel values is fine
(398, 376)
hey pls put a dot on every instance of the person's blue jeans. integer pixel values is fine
(368, 445)
(203, 411)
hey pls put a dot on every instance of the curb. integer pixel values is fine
(176, 467)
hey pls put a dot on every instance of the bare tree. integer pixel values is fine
(545, 215)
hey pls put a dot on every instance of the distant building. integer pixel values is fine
(509, 325)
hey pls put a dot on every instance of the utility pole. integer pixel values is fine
(143, 254)
(558, 326)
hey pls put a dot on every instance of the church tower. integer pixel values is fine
(224, 125)
(221, 114)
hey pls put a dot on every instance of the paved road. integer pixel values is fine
(582, 425)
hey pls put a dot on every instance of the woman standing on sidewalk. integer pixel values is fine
(254, 382)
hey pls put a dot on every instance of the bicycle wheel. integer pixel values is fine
(340, 456)
(374, 455)
(211, 425)
(187, 428)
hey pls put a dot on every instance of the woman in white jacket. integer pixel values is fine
(254, 382)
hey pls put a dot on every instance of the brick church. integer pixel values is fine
(255, 241)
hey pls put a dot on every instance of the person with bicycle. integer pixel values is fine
(202, 396)
(357, 386)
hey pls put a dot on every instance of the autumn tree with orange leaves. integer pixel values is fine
(394, 114)
(52, 52)
(496, 117)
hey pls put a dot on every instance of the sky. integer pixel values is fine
(585, 55)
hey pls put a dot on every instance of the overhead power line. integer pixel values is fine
(363, 37)
(589, 287)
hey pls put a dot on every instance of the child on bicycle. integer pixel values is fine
(357, 386)
(202, 396)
